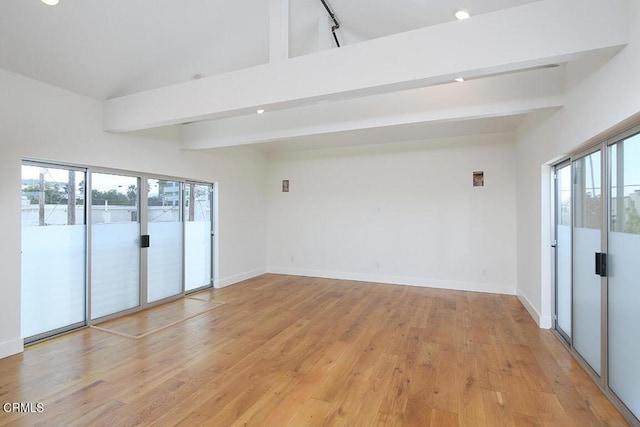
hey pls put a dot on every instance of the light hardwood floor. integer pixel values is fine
(294, 351)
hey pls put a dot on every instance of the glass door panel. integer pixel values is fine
(563, 250)
(53, 249)
(587, 214)
(624, 272)
(198, 239)
(164, 255)
(115, 244)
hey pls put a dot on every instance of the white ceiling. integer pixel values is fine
(107, 49)
(104, 49)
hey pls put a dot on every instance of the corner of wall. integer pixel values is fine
(9, 348)
(228, 281)
(543, 322)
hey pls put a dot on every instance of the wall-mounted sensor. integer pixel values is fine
(285, 185)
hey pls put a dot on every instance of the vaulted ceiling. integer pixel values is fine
(207, 63)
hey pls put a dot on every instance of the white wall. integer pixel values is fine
(43, 122)
(401, 213)
(601, 94)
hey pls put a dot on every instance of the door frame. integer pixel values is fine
(213, 204)
(568, 339)
(213, 242)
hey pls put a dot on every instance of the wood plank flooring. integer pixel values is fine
(140, 324)
(296, 351)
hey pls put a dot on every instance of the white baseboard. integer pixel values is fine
(399, 280)
(227, 281)
(543, 322)
(9, 348)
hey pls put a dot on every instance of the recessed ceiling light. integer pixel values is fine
(459, 79)
(50, 2)
(462, 14)
(260, 111)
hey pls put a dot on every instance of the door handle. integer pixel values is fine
(601, 264)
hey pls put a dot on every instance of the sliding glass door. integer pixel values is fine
(115, 244)
(164, 227)
(599, 272)
(198, 214)
(142, 240)
(136, 255)
(53, 249)
(587, 232)
(624, 272)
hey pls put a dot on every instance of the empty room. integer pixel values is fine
(320, 212)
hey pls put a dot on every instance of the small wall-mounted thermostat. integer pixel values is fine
(285, 185)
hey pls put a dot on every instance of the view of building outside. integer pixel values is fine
(56, 197)
(625, 192)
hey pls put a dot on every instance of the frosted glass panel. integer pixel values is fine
(587, 297)
(53, 278)
(115, 244)
(164, 265)
(624, 273)
(164, 262)
(197, 254)
(198, 245)
(115, 268)
(624, 318)
(53, 249)
(587, 285)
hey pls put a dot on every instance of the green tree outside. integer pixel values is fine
(632, 224)
(112, 197)
(53, 194)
